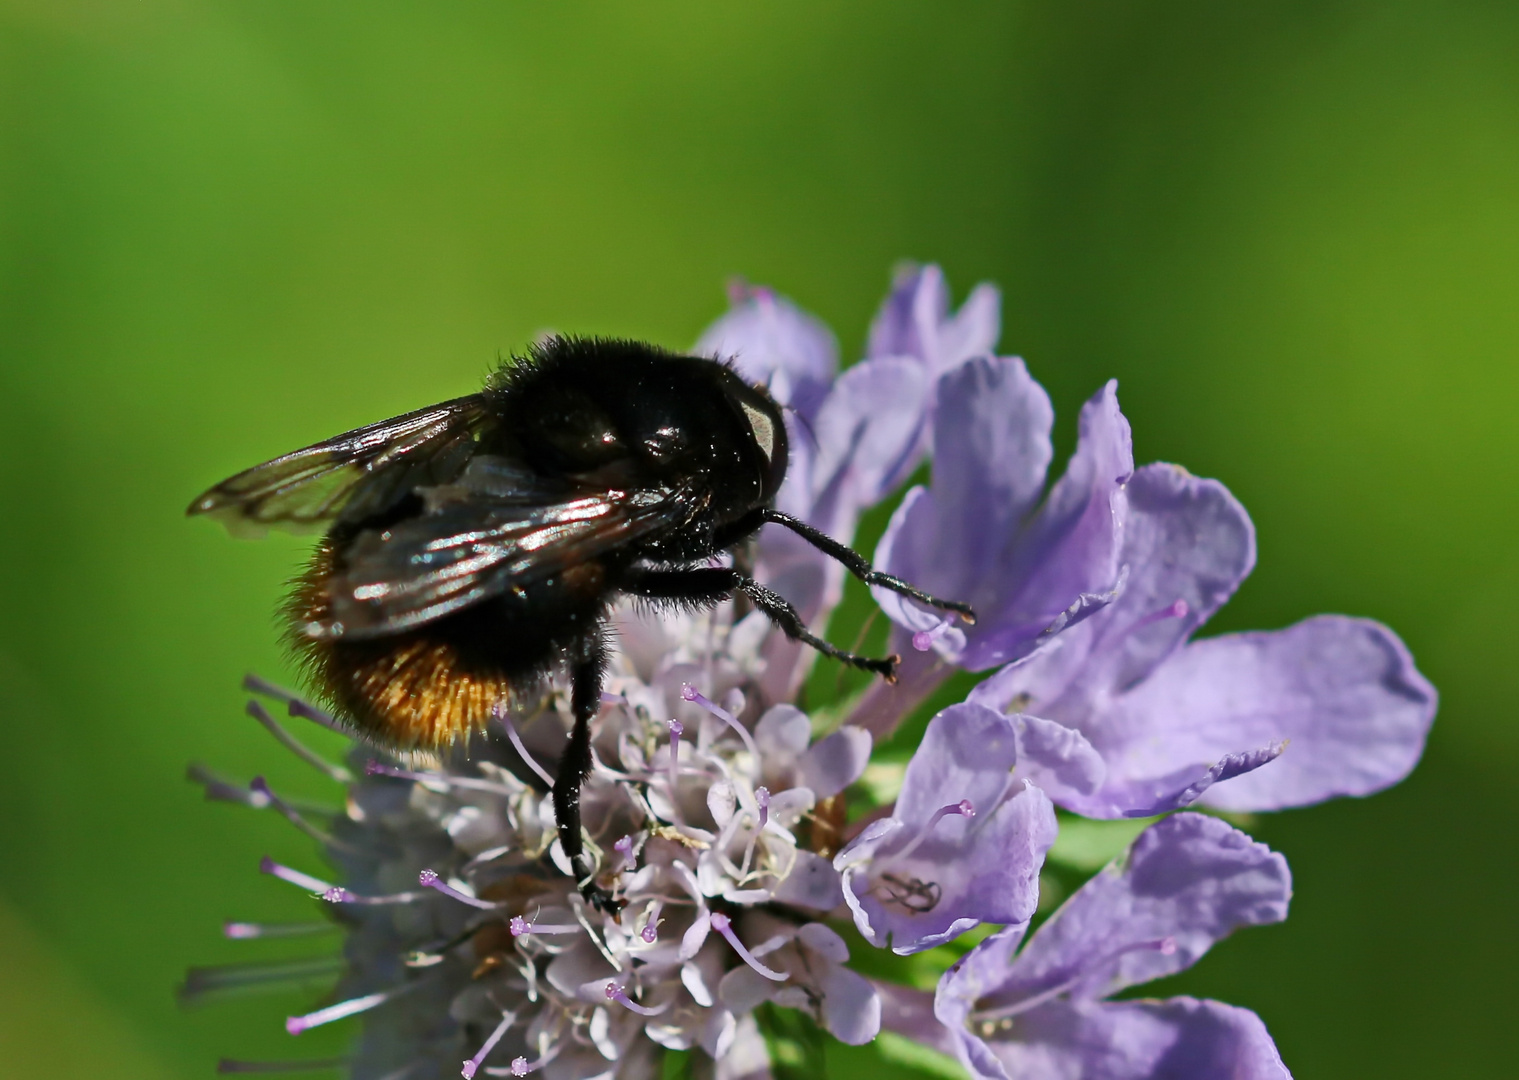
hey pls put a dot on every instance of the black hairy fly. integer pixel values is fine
(473, 547)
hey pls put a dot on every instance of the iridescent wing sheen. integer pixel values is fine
(350, 476)
(470, 546)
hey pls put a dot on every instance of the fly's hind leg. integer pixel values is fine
(575, 767)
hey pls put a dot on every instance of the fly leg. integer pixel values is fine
(575, 767)
(859, 566)
(709, 584)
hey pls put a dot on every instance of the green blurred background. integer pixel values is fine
(228, 229)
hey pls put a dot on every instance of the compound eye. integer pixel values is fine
(764, 430)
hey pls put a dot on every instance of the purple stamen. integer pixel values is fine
(297, 1024)
(267, 865)
(692, 694)
(300, 750)
(430, 879)
(650, 931)
(924, 640)
(1179, 609)
(241, 931)
(619, 994)
(511, 733)
(264, 796)
(473, 1064)
(724, 926)
(520, 926)
(677, 729)
(339, 895)
(963, 808)
(762, 797)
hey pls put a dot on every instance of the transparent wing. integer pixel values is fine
(464, 551)
(352, 475)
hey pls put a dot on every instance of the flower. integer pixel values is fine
(1043, 1012)
(853, 439)
(980, 532)
(964, 842)
(1170, 720)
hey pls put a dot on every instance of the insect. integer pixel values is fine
(474, 547)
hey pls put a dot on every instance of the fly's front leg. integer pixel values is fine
(859, 566)
(708, 584)
(575, 767)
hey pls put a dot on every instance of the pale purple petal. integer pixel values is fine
(1187, 544)
(862, 441)
(774, 343)
(1342, 692)
(1339, 700)
(991, 452)
(1058, 759)
(1188, 880)
(812, 883)
(1149, 798)
(866, 435)
(1026, 579)
(967, 752)
(743, 989)
(1069, 550)
(834, 762)
(910, 1012)
(782, 734)
(915, 321)
(976, 974)
(851, 1009)
(1180, 1038)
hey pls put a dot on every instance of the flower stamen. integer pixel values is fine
(528, 759)
(963, 808)
(924, 640)
(692, 694)
(295, 746)
(430, 879)
(297, 1024)
(677, 729)
(521, 927)
(724, 926)
(242, 931)
(473, 1064)
(619, 994)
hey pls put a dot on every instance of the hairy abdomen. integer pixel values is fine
(424, 689)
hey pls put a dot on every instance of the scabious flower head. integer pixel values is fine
(714, 813)
(459, 901)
